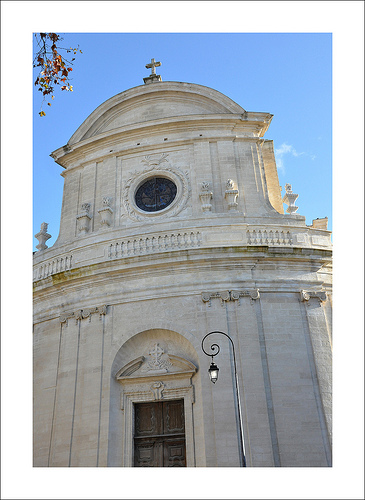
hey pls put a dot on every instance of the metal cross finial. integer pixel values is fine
(153, 64)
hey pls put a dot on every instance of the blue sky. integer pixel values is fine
(261, 71)
(286, 74)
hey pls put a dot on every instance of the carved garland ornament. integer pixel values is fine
(305, 295)
(154, 168)
(83, 313)
(230, 295)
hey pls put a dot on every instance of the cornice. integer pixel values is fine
(250, 127)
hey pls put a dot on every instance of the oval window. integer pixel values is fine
(155, 194)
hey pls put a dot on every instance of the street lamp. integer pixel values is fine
(213, 375)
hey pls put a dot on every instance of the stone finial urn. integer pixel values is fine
(289, 199)
(106, 212)
(231, 195)
(84, 219)
(205, 196)
(42, 237)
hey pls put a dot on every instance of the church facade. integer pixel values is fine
(173, 227)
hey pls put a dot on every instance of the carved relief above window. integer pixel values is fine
(159, 190)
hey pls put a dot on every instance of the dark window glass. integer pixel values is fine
(155, 194)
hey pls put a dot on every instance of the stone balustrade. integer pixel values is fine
(177, 240)
(52, 266)
(180, 239)
(269, 237)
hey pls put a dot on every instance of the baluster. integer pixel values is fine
(198, 238)
(185, 240)
(192, 239)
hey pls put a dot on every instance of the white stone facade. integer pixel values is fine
(222, 256)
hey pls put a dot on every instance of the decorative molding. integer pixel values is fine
(231, 195)
(154, 168)
(205, 196)
(83, 314)
(305, 295)
(230, 295)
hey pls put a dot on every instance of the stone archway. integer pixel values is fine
(153, 366)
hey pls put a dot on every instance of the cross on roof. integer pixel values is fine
(153, 64)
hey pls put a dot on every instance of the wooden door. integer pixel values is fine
(159, 435)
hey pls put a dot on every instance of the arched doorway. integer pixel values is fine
(153, 379)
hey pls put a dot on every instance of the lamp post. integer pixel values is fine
(213, 375)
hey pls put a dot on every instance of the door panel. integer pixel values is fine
(174, 453)
(173, 417)
(159, 439)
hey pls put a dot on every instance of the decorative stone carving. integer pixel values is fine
(150, 160)
(154, 168)
(305, 295)
(106, 212)
(157, 361)
(84, 219)
(205, 196)
(42, 237)
(253, 294)
(83, 313)
(231, 195)
(289, 199)
(157, 390)
(229, 295)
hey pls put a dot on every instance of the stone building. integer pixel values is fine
(172, 227)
